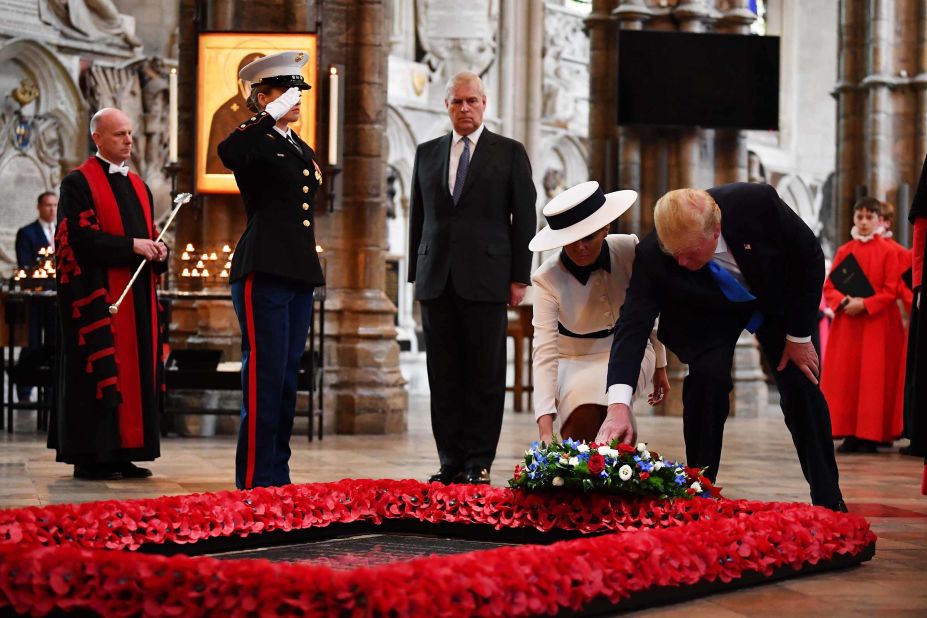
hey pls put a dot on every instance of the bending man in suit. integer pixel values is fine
(471, 217)
(40, 234)
(720, 261)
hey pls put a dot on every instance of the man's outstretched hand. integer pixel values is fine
(618, 425)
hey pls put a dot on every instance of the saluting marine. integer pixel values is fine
(278, 177)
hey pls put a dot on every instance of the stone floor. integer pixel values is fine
(758, 462)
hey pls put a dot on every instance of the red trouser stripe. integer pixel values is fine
(252, 381)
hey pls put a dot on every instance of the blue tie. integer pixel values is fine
(735, 293)
(462, 167)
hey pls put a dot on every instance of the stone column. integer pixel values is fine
(878, 141)
(919, 82)
(602, 91)
(364, 386)
(850, 105)
(730, 144)
(630, 15)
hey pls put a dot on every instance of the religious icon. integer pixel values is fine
(222, 96)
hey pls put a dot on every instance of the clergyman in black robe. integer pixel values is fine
(109, 364)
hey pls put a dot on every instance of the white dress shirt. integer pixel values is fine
(49, 228)
(456, 151)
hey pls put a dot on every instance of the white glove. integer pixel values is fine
(284, 103)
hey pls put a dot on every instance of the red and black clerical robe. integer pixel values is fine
(109, 369)
(861, 379)
(915, 391)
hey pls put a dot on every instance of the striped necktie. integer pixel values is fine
(462, 166)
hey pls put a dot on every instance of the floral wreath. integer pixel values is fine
(613, 468)
(96, 556)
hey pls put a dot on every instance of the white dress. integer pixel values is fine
(570, 371)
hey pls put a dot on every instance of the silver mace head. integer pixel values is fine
(114, 309)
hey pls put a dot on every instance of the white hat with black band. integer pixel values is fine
(578, 212)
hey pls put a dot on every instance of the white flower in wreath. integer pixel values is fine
(603, 450)
(564, 460)
(583, 448)
(558, 481)
(657, 465)
(641, 447)
(625, 473)
(645, 455)
(574, 461)
(697, 487)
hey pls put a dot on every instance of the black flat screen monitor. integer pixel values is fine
(704, 80)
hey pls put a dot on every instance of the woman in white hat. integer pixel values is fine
(579, 292)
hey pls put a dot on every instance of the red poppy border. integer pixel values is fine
(58, 558)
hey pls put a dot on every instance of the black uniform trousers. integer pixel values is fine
(466, 361)
(274, 315)
(706, 406)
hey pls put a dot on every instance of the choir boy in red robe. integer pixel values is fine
(864, 351)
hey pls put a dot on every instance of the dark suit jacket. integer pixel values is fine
(227, 117)
(482, 242)
(29, 239)
(278, 186)
(778, 255)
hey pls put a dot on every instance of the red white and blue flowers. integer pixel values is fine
(615, 467)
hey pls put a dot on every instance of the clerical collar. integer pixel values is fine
(582, 273)
(854, 233)
(105, 160)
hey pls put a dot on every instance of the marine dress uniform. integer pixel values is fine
(274, 271)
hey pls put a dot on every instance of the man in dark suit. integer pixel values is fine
(472, 214)
(40, 234)
(720, 261)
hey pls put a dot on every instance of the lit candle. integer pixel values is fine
(185, 273)
(189, 247)
(172, 118)
(333, 116)
(226, 249)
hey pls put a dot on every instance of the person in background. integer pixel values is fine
(471, 215)
(861, 380)
(110, 372)
(30, 239)
(579, 292)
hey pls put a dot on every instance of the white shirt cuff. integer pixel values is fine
(620, 393)
(797, 339)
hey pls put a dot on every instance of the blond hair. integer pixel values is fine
(683, 214)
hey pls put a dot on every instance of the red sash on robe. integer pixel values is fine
(131, 427)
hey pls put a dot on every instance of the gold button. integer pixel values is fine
(305, 172)
(305, 189)
(241, 126)
(253, 118)
(306, 223)
(305, 206)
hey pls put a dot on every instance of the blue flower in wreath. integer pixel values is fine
(584, 456)
(570, 442)
(603, 474)
(680, 480)
(644, 466)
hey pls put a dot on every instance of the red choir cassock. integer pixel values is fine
(861, 380)
(110, 373)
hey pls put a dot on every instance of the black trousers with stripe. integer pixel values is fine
(274, 314)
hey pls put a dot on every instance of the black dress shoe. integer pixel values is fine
(447, 475)
(850, 445)
(478, 476)
(838, 506)
(130, 471)
(96, 473)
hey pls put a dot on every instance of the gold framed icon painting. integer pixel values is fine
(221, 96)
